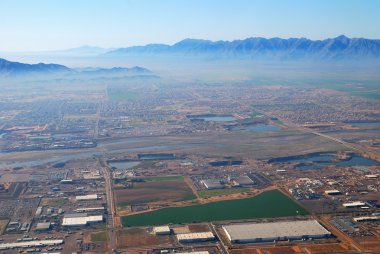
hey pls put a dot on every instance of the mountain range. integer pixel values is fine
(339, 48)
(9, 68)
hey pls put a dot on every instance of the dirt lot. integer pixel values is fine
(370, 243)
(298, 249)
(329, 248)
(137, 237)
(154, 191)
(3, 224)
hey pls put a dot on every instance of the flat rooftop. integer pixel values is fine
(271, 230)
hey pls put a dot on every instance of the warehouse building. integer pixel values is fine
(212, 184)
(243, 181)
(275, 231)
(90, 209)
(366, 218)
(162, 230)
(87, 197)
(30, 244)
(43, 226)
(77, 220)
(332, 192)
(354, 204)
(195, 237)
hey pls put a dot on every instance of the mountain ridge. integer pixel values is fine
(337, 48)
(10, 68)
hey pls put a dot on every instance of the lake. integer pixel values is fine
(321, 160)
(266, 205)
(257, 128)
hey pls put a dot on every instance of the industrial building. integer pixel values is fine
(162, 230)
(366, 218)
(43, 226)
(354, 204)
(90, 209)
(211, 184)
(275, 231)
(195, 237)
(87, 197)
(243, 181)
(76, 220)
(332, 192)
(30, 244)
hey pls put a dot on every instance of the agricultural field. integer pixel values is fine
(213, 193)
(268, 204)
(165, 190)
(99, 236)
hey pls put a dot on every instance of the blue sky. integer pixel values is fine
(28, 25)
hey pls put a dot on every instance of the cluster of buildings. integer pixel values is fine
(239, 181)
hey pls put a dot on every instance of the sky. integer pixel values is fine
(39, 25)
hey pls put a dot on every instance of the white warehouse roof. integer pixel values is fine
(28, 244)
(201, 236)
(354, 204)
(81, 221)
(274, 231)
(162, 230)
(87, 197)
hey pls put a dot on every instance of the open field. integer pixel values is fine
(254, 145)
(99, 236)
(213, 193)
(268, 204)
(164, 178)
(154, 191)
(329, 248)
(137, 237)
(3, 224)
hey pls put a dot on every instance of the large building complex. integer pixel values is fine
(275, 231)
(195, 237)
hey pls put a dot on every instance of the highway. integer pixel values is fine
(111, 206)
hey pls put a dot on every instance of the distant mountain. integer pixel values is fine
(114, 70)
(8, 68)
(80, 51)
(12, 68)
(339, 48)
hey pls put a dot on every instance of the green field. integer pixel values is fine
(212, 193)
(268, 204)
(99, 237)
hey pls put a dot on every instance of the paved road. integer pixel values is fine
(111, 206)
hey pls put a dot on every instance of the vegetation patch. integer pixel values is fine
(268, 204)
(99, 236)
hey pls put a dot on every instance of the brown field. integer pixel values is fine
(329, 248)
(3, 224)
(165, 191)
(140, 238)
(298, 249)
(369, 243)
(269, 250)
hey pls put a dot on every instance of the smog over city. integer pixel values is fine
(190, 127)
